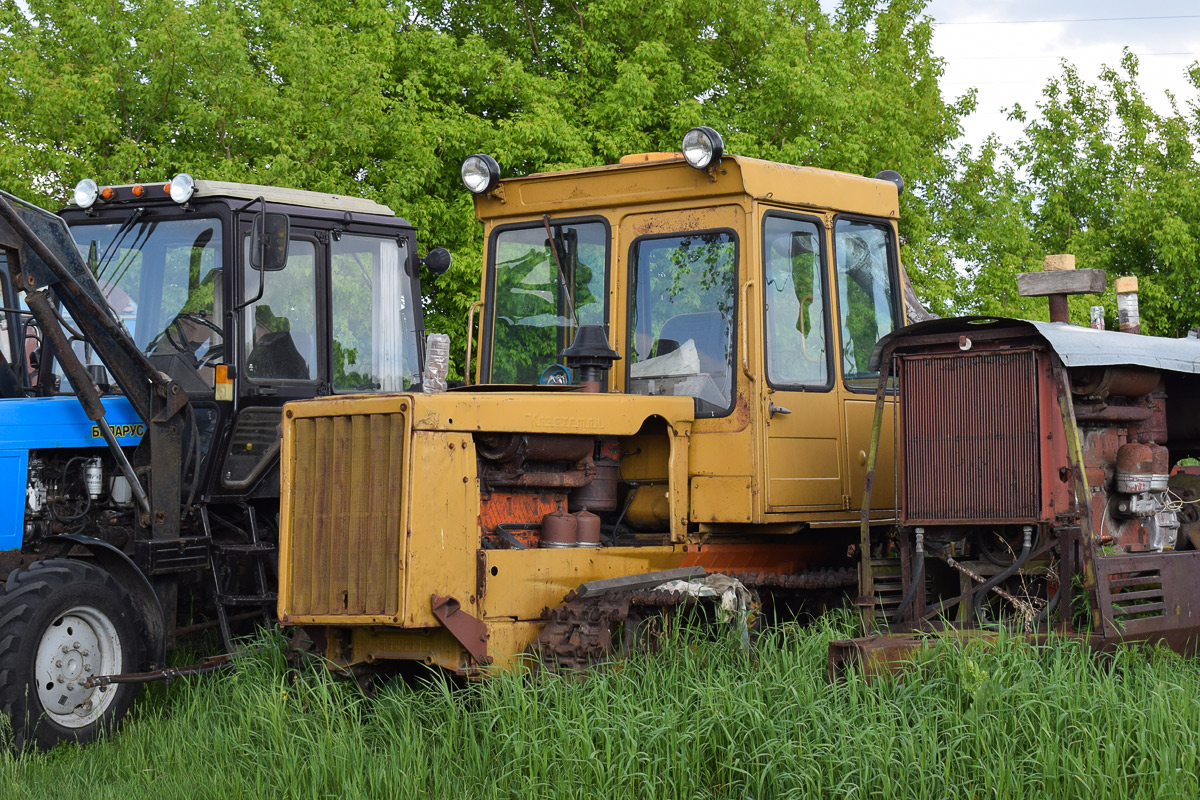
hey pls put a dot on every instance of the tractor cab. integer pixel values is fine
(249, 296)
(757, 289)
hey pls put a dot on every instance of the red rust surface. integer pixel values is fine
(768, 557)
(470, 632)
(508, 507)
(1151, 597)
(971, 427)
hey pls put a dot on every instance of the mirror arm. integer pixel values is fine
(262, 258)
(257, 297)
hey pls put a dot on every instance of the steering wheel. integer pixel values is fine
(178, 339)
(555, 375)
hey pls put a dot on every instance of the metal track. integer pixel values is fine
(579, 633)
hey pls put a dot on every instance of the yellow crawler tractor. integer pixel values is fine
(671, 379)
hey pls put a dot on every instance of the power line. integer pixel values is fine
(1076, 19)
(1056, 57)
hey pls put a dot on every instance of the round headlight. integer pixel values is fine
(480, 173)
(86, 192)
(182, 188)
(893, 177)
(702, 147)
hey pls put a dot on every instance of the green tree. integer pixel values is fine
(1098, 173)
(386, 99)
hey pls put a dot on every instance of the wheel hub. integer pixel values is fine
(80, 644)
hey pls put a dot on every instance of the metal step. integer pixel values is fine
(245, 549)
(247, 599)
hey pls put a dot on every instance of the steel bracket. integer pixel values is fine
(470, 631)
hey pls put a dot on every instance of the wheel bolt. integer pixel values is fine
(87, 667)
(75, 645)
(60, 679)
(84, 653)
(64, 649)
(58, 663)
(70, 687)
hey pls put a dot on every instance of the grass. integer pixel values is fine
(701, 720)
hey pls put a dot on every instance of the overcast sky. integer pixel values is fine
(1007, 49)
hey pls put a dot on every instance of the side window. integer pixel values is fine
(866, 299)
(373, 324)
(794, 298)
(681, 318)
(281, 326)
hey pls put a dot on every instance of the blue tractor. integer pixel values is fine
(149, 337)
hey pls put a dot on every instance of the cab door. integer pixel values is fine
(802, 413)
(282, 313)
(866, 267)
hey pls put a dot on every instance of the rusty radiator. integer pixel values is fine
(347, 514)
(970, 437)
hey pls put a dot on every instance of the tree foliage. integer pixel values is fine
(1098, 173)
(385, 99)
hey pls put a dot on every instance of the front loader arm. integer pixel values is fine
(43, 260)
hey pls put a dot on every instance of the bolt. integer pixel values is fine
(64, 649)
(70, 687)
(75, 645)
(87, 667)
(85, 653)
(60, 679)
(58, 663)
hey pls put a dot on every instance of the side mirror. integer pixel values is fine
(437, 261)
(269, 242)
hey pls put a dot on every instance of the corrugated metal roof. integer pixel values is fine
(1076, 346)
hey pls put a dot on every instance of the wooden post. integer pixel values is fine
(1059, 279)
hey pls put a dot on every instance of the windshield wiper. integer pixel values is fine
(120, 235)
(562, 278)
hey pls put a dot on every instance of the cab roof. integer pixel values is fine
(665, 177)
(296, 197)
(250, 191)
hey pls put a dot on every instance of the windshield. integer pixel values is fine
(163, 279)
(531, 305)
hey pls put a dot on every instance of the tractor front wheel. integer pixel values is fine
(61, 623)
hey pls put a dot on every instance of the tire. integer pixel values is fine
(62, 621)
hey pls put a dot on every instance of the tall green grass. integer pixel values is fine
(701, 720)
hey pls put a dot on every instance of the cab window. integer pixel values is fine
(866, 295)
(681, 316)
(794, 300)
(542, 288)
(163, 280)
(281, 325)
(373, 324)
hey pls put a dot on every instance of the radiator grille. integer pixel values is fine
(347, 514)
(970, 428)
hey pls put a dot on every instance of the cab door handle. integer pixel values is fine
(773, 409)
